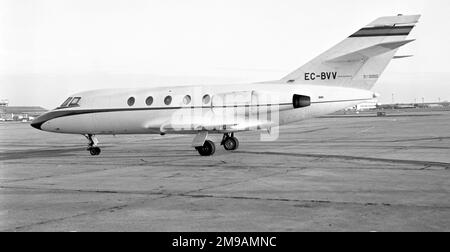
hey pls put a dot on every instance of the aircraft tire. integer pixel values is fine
(95, 151)
(208, 149)
(231, 144)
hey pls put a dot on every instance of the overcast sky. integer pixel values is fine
(50, 49)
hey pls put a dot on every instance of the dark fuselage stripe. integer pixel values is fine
(64, 113)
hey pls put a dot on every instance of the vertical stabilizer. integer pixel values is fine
(360, 59)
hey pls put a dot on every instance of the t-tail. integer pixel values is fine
(359, 60)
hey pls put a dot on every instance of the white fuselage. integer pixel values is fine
(339, 78)
(230, 108)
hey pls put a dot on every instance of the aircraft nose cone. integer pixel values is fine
(39, 121)
(36, 125)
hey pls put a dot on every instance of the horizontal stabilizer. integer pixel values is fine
(402, 56)
(368, 52)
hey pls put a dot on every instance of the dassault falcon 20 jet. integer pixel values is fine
(337, 79)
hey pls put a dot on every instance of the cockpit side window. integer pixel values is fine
(65, 103)
(75, 102)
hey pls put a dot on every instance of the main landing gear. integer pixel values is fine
(208, 148)
(229, 142)
(92, 145)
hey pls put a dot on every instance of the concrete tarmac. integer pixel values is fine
(327, 174)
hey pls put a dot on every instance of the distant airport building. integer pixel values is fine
(429, 105)
(366, 106)
(19, 113)
(373, 104)
(4, 103)
(435, 105)
(405, 106)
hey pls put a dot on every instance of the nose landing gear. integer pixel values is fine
(229, 142)
(92, 145)
(95, 151)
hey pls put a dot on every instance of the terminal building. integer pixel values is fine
(19, 113)
(367, 106)
(4, 103)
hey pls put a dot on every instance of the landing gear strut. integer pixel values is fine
(92, 145)
(207, 149)
(229, 142)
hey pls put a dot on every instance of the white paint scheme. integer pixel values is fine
(350, 69)
(150, 121)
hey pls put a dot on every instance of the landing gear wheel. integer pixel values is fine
(231, 143)
(207, 149)
(92, 145)
(95, 151)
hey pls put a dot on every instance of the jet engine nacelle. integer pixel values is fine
(301, 101)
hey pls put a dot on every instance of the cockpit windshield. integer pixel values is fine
(70, 102)
(65, 103)
(75, 102)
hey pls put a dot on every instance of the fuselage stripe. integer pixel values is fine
(65, 113)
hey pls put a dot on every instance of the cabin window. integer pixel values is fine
(206, 99)
(66, 102)
(187, 99)
(168, 100)
(75, 102)
(131, 101)
(149, 101)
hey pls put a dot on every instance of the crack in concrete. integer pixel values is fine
(36, 153)
(312, 201)
(144, 163)
(23, 227)
(345, 157)
(193, 194)
(240, 181)
(360, 146)
(347, 139)
(119, 207)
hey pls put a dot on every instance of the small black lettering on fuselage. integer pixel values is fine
(321, 76)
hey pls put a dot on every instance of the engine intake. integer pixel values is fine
(301, 101)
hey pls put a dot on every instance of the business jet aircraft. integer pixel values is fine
(337, 79)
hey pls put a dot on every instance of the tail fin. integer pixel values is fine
(359, 60)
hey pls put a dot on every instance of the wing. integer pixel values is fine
(216, 127)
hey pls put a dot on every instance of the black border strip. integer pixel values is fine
(383, 31)
(64, 113)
